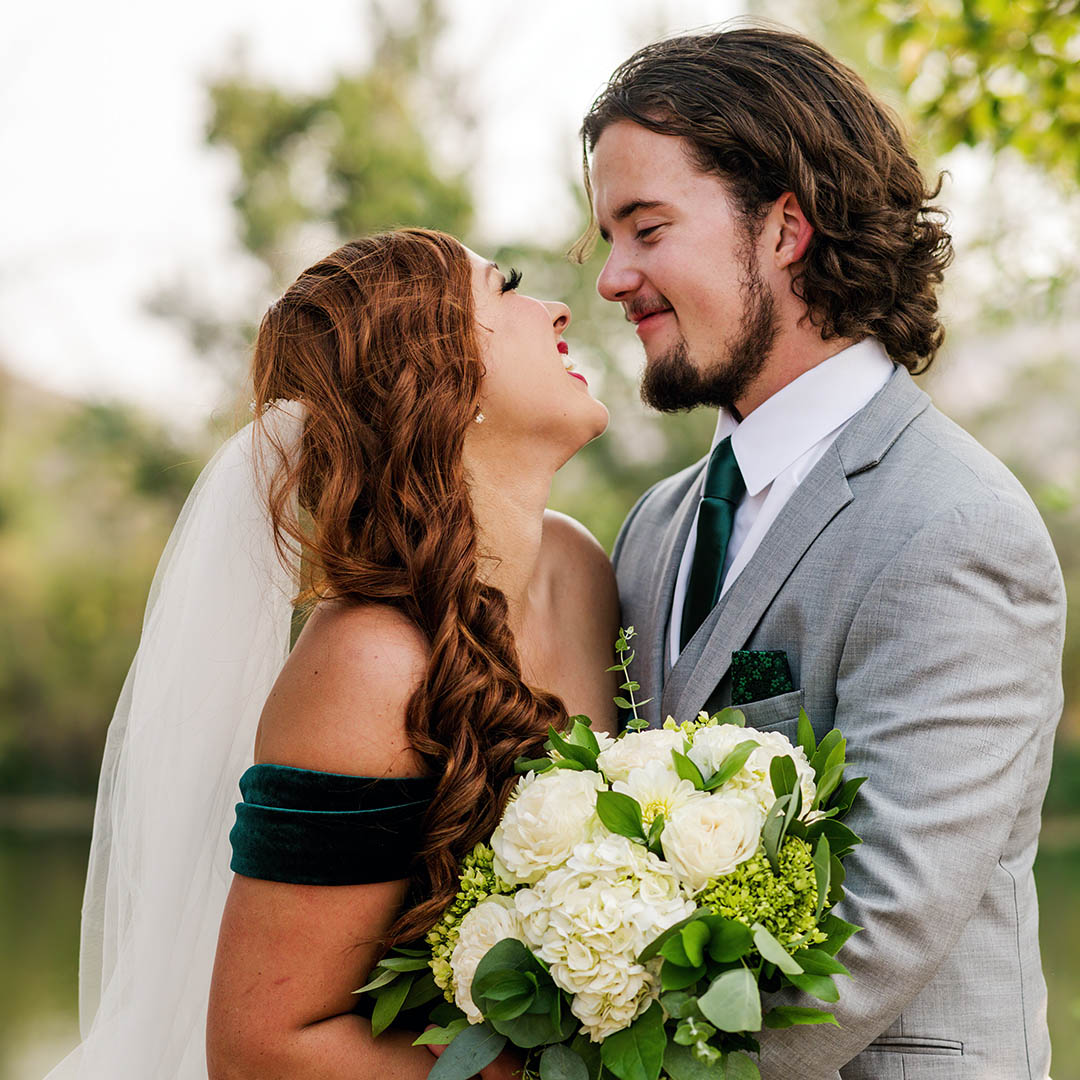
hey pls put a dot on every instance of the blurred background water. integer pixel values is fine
(167, 172)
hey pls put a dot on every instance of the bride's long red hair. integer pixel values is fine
(379, 340)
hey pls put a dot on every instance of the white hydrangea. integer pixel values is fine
(637, 748)
(658, 790)
(590, 919)
(548, 815)
(709, 837)
(713, 744)
(485, 925)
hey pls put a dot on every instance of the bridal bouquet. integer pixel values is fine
(637, 898)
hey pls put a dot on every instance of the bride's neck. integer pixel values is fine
(508, 505)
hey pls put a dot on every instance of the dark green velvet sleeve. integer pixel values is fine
(318, 828)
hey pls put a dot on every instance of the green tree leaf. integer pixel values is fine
(561, 1063)
(441, 1036)
(733, 1002)
(388, 1004)
(806, 737)
(472, 1050)
(637, 1052)
(731, 764)
(774, 952)
(687, 770)
(620, 813)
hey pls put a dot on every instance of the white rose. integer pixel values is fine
(637, 748)
(485, 925)
(658, 790)
(713, 744)
(548, 815)
(710, 837)
(590, 919)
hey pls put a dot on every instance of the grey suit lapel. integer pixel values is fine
(817, 500)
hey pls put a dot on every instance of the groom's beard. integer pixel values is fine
(671, 383)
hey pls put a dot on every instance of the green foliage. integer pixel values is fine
(1004, 73)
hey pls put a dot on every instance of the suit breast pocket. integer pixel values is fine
(780, 713)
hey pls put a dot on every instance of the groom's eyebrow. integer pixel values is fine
(621, 213)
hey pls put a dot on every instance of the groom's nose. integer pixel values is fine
(618, 280)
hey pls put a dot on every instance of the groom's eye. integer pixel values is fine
(512, 282)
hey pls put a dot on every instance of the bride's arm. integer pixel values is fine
(289, 956)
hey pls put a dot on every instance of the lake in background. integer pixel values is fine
(41, 884)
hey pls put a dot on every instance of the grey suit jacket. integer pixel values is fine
(916, 592)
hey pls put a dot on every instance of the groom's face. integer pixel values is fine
(684, 265)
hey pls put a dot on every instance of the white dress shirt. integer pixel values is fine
(776, 446)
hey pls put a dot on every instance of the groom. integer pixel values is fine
(843, 547)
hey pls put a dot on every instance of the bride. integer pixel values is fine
(412, 407)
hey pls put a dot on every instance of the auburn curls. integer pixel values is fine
(769, 111)
(379, 341)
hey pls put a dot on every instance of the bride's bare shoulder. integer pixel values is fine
(339, 703)
(580, 572)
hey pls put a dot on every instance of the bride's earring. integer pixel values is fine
(479, 417)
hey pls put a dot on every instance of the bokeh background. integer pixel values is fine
(169, 168)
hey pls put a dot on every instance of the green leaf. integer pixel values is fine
(589, 1052)
(474, 1049)
(561, 1063)
(841, 838)
(846, 795)
(631, 686)
(656, 830)
(694, 937)
(582, 735)
(622, 703)
(403, 963)
(838, 932)
(772, 830)
(620, 813)
(740, 1067)
(729, 939)
(504, 995)
(422, 991)
(830, 780)
(785, 1016)
(381, 979)
(687, 770)
(832, 739)
(571, 751)
(440, 1036)
(524, 764)
(806, 737)
(774, 952)
(783, 775)
(680, 1063)
(569, 763)
(822, 871)
(819, 986)
(388, 1005)
(736, 717)
(654, 946)
(680, 1004)
(732, 1002)
(675, 976)
(731, 764)
(819, 962)
(837, 873)
(637, 1052)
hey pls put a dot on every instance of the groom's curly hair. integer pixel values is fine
(379, 340)
(768, 111)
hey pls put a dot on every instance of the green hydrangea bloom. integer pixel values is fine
(478, 881)
(783, 903)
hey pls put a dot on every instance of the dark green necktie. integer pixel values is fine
(724, 489)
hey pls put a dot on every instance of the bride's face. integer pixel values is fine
(529, 388)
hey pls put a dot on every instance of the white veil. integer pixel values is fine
(215, 636)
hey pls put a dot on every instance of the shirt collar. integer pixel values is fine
(783, 428)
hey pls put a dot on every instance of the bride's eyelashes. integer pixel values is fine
(512, 282)
(644, 234)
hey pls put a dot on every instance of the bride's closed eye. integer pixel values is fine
(512, 282)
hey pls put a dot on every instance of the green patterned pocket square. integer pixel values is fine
(757, 674)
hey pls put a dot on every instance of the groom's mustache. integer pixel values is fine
(636, 310)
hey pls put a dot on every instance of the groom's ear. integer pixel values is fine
(793, 236)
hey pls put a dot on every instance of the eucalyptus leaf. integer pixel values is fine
(441, 1036)
(732, 1002)
(679, 1004)
(474, 1049)
(740, 1067)
(622, 703)
(680, 1063)
(774, 952)
(561, 1063)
